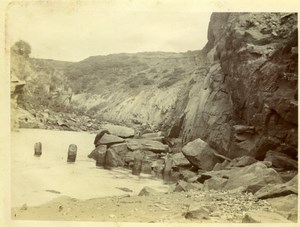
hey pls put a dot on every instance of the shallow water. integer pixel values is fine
(36, 180)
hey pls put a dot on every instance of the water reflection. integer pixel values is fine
(34, 179)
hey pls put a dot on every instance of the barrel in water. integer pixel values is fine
(38, 149)
(72, 152)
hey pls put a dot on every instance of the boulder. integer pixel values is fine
(99, 136)
(278, 190)
(252, 177)
(146, 145)
(121, 131)
(287, 206)
(98, 153)
(260, 216)
(185, 174)
(201, 155)
(196, 211)
(287, 175)
(185, 186)
(147, 191)
(281, 160)
(215, 183)
(152, 134)
(157, 136)
(112, 159)
(179, 160)
(109, 140)
(242, 161)
(120, 149)
(221, 166)
(180, 186)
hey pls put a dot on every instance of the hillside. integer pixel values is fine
(221, 118)
(239, 93)
(132, 88)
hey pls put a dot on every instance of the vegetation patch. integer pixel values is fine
(172, 78)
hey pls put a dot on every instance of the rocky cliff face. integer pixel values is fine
(247, 103)
(239, 94)
(134, 89)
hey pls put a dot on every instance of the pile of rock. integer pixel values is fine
(117, 149)
(48, 119)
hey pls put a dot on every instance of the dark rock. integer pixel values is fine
(242, 161)
(193, 179)
(252, 177)
(185, 186)
(201, 155)
(179, 160)
(278, 190)
(281, 160)
(98, 153)
(186, 174)
(109, 140)
(120, 131)
(112, 159)
(264, 217)
(265, 144)
(248, 101)
(99, 136)
(180, 186)
(221, 166)
(287, 206)
(287, 175)
(156, 136)
(146, 145)
(147, 191)
(196, 211)
(215, 183)
(193, 186)
(120, 149)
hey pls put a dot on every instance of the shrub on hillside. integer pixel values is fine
(172, 78)
(136, 81)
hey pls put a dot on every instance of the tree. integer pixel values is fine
(21, 48)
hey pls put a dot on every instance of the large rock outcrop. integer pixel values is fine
(247, 103)
(201, 155)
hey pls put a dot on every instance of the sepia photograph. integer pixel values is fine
(151, 112)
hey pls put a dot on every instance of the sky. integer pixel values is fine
(74, 31)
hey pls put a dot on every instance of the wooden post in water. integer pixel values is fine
(137, 163)
(72, 152)
(167, 168)
(38, 149)
(100, 154)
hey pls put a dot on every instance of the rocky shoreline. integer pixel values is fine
(181, 207)
(230, 183)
